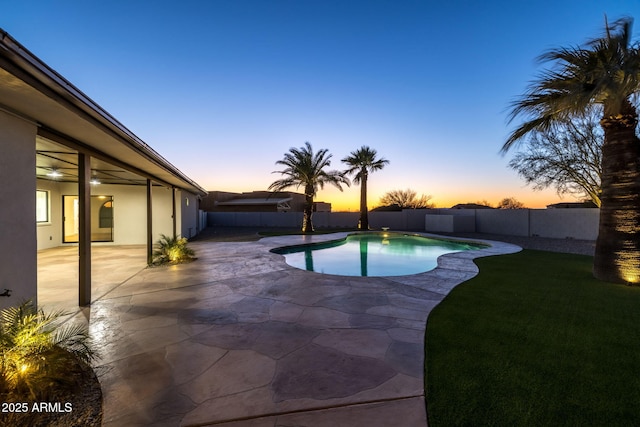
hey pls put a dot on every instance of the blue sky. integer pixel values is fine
(223, 89)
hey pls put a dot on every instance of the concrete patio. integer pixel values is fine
(239, 338)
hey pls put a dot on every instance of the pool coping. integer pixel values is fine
(448, 266)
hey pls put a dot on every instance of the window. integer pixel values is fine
(42, 206)
(106, 215)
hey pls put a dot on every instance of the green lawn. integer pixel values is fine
(535, 340)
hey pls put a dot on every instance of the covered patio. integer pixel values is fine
(58, 274)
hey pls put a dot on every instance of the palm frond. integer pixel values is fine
(306, 168)
(36, 350)
(173, 250)
(362, 162)
(605, 71)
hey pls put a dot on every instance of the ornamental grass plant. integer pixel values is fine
(172, 250)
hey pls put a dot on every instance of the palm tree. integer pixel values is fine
(606, 71)
(38, 351)
(362, 162)
(304, 168)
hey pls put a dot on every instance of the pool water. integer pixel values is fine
(376, 254)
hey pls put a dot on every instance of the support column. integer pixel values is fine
(173, 213)
(149, 222)
(84, 234)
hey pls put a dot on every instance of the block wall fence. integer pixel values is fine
(581, 223)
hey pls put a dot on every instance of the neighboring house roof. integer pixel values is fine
(471, 206)
(260, 201)
(34, 91)
(570, 205)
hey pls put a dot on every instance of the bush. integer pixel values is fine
(172, 250)
(37, 351)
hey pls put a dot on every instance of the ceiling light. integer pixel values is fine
(54, 173)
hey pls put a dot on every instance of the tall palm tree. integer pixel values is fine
(362, 162)
(605, 71)
(306, 169)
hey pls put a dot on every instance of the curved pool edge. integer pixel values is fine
(452, 269)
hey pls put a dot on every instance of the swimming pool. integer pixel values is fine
(373, 254)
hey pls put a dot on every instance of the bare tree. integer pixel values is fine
(405, 199)
(567, 156)
(510, 203)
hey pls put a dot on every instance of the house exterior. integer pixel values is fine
(573, 205)
(259, 201)
(74, 175)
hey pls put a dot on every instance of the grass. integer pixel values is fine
(534, 340)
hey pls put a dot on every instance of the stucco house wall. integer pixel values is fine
(188, 214)
(18, 262)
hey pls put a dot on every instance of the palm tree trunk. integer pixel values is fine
(617, 257)
(307, 225)
(364, 212)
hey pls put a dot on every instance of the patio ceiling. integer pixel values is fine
(51, 157)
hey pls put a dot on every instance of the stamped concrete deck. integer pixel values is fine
(239, 338)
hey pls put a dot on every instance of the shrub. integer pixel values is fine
(172, 250)
(37, 352)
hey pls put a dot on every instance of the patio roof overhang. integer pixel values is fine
(32, 90)
(259, 201)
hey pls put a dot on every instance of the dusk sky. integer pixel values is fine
(222, 89)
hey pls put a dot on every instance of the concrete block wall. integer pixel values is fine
(405, 220)
(511, 222)
(565, 223)
(334, 219)
(579, 224)
(449, 223)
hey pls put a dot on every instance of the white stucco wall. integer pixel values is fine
(162, 213)
(18, 257)
(187, 213)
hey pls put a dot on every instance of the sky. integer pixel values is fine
(224, 88)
